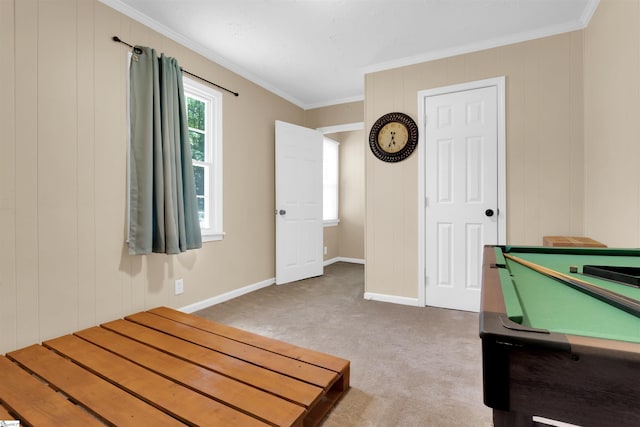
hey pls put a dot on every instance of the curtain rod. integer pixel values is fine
(118, 40)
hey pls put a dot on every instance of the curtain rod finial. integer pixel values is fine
(116, 39)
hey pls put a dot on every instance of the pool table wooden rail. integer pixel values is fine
(591, 382)
(164, 367)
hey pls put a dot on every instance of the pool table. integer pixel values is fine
(549, 350)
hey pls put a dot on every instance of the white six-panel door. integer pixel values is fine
(461, 189)
(298, 215)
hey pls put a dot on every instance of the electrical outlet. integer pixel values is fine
(179, 286)
(325, 250)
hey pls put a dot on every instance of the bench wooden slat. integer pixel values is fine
(37, 404)
(106, 400)
(304, 354)
(5, 415)
(236, 394)
(334, 392)
(281, 385)
(276, 362)
(181, 402)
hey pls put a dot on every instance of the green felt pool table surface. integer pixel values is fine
(553, 351)
(546, 303)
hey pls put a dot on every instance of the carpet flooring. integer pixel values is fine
(410, 366)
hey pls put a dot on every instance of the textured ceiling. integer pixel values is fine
(315, 52)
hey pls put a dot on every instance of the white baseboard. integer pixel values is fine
(226, 296)
(393, 299)
(343, 259)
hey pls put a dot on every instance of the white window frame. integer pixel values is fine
(211, 229)
(330, 222)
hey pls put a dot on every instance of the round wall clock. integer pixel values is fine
(393, 137)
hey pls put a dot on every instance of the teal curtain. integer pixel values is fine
(162, 202)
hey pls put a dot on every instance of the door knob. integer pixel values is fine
(282, 212)
(489, 212)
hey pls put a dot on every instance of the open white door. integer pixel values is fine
(299, 226)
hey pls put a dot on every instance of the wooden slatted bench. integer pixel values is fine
(163, 367)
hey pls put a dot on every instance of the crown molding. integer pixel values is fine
(198, 48)
(123, 8)
(588, 12)
(489, 44)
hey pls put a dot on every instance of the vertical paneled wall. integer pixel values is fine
(54, 54)
(612, 124)
(8, 199)
(63, 150)
(544, 151)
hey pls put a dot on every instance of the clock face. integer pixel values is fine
(393, 137)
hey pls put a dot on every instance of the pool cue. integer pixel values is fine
(630, 305)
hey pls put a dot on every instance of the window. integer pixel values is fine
(330, 157)
(204, 114)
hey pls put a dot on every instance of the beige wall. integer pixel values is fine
(333, 115)
(331, 241)
(544, 123)
(612, 123)
(63, 260)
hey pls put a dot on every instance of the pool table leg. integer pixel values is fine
(512, 419)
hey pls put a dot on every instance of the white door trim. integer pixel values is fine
(341, 128)
(499, 83)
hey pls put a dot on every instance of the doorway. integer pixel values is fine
(462, 183)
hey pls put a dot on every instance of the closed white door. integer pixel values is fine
(299, 227)
(461, 188)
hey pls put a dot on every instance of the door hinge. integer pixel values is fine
(426, 202)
